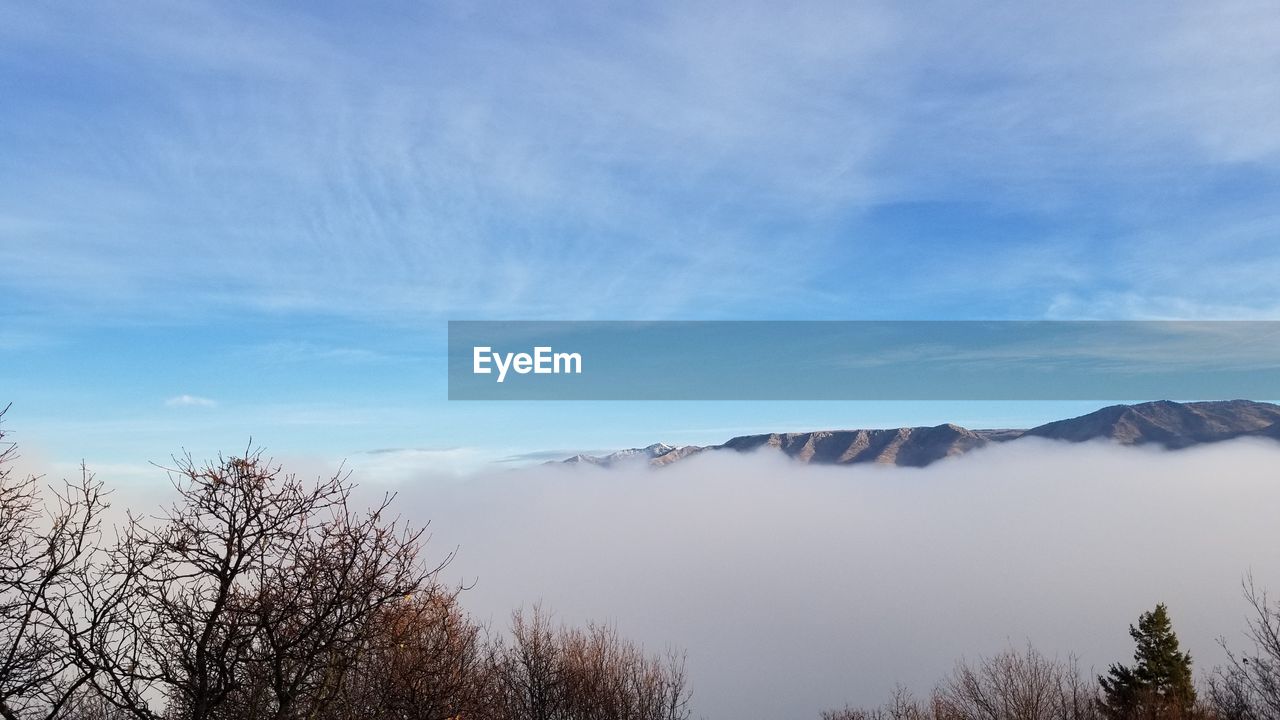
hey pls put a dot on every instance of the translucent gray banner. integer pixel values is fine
(864, 360)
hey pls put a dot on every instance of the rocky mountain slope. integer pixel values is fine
(1174, 425)
(1171, 424)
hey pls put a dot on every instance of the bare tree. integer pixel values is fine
(88, 704)
(259, 597)
(1012, 685)
(48, 551)
(1248, 688)
(902, 705)
(251, 594)
(609, 677)
(548, 673)
(528, 674)
(424, 659)
(1015, 685)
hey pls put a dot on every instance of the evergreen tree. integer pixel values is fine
(1158, 685)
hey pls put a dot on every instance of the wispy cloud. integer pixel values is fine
(666, 162)
(289, 352)
(466, 179)
(184, 401)
(404, 466)
(23, 340)
(539, 456)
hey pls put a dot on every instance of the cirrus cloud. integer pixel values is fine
(190, 401)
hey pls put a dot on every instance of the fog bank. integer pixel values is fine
(795, 588)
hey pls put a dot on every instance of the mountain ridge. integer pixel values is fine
(1174, 425)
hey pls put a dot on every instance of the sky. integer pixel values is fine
(230, 220)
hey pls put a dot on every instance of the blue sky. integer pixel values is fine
(221, 220)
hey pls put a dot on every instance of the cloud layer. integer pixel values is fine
(795, 588)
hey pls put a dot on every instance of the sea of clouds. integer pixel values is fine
(794, 588)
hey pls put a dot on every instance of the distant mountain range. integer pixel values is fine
(1171, 424)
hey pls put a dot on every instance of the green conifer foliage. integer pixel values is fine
(1158, 685)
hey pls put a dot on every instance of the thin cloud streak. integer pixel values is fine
(190, 401)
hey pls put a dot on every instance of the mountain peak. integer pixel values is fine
(1164, 422)
(649, 453)
(1171, 424)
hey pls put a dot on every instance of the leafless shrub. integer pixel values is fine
(547, 673)
(1015, 685)
(1248, 687)
(1012, 685)
(423, 659)
(902, 705)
